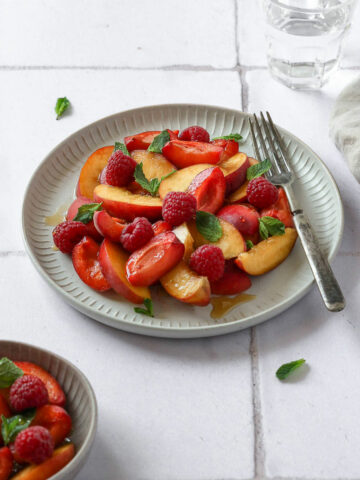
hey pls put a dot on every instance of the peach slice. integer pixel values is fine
(231, 243)
(234, 169)
(267, 254)
(6, 463)
(180, 180)
(121, 203)
(184, 153)
(113, 260)
(155, 165)
(244, 217)
(47, 469)
(72, 212)
(186, 286)
(148, 264)
(280, 210)
(232, 282)
(161, 226)
(183, 234)
(240, 195)
(55, 419)
(90, 172)
(107, 226)
(208, 187)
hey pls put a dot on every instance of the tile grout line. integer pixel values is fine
(237, 45)
(12, 253)
(259, 449)
(244, 91)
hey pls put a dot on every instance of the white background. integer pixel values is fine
(208, 409)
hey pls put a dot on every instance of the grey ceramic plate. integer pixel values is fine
(80, 398)
(54, 182)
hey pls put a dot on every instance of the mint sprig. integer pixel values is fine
(148, 310)
(122, 147)
(151, 186)
(86, 212)
(10, 427)
(258, 169)
(285, 370)
(209, 226)
(9, 372)
(249, 244)
(62, 104)
(159, 141)
(270, 226)
(233, 136)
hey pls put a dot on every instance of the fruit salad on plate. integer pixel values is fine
(192, 214)
(34, 442)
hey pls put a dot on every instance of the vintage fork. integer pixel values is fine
(282, 174)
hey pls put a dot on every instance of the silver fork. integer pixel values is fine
(281, 174)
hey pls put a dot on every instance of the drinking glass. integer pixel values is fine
(304, 39)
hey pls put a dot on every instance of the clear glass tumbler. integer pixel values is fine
(304, 39)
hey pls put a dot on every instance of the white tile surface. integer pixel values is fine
(168, 409)
(94, 94)
(251, 38)
(118, 33)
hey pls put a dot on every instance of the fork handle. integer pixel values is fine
(323, 274)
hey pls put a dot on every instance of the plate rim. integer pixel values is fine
(165, 331)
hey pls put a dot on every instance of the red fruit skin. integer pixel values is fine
(6, 463)
(183, 154)
(244, 217)
(148, 264)
(34, 445)
(195, 134)
(4, 408)
(142, 141)
(85, 258)
(230, 147)
(208, 187)
(280, 210)
(107, 226)
(56, 394)
(232, 282)
(73, 210)
(56, 420)
(161, 226)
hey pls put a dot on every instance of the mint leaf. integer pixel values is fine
(86, 212)
(62, 104)
(122, 147)
(159, 141)
(285, 370)
(270, 226)
(208, 225)
(10, 427)
(9, 372)
(249, 244)
(258, 169)
(148, 310)
(153, 185)
(233, 136)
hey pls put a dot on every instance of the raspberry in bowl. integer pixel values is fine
(55, 413)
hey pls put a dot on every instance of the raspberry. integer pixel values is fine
(195, 134)
(136, 234)
(178, 207)
(261, 193)
(28, 391)
(34, 444)
(208, 261)
(67, 234)
(119, 170)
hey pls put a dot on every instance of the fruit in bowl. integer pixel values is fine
(35, 426)
(179, 209)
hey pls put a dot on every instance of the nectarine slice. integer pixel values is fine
(155, 165)
(183, 153)
(47, 469)
(73, 210)
(55, 419)
(161, 226)
(231, 147)
(90, 172)
(185, 285)
(148, 264)
(113, 260)
(267, 254)
(280, 210)
(208, 187)
(85, 258)
(143, 140)
(239, 195)
(121, 203)
(180, 180)
(107, 226)
(231, 242)
(232, 282)
(183, 234)
(234, 169)
(244, 217)
(6, 463)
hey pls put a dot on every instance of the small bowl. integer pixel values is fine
(80, 399)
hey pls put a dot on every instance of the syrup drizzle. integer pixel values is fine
(57, 217)
(223, 304)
